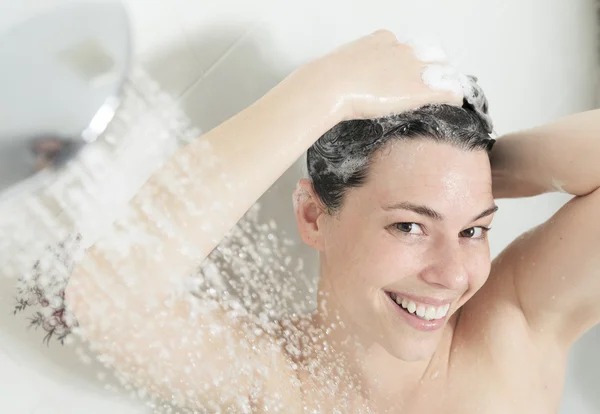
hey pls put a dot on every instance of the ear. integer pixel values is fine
(308, 209)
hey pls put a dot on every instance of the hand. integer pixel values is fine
(377, 75)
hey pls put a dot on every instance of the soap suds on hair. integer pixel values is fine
(443, 77)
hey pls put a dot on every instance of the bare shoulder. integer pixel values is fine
(493, 319)
(495, 329)
(495, 346)
(495, 316)
(281, 390)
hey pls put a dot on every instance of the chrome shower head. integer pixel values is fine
(61, 79)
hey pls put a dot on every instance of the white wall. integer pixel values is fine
(536, 60)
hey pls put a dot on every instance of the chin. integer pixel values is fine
(413, 351)
(409, 338)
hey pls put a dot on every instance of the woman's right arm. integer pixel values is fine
(121, 292)
(202, 191)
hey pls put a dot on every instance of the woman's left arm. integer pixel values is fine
(561, 156)
(556, 265)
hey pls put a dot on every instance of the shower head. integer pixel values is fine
(61, 78)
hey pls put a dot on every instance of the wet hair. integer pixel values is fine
(340, 159)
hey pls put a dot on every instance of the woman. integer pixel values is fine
(411, 316)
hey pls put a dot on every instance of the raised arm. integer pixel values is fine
(122, 292)
(557, 264)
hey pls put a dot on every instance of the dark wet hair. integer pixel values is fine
(340, 159)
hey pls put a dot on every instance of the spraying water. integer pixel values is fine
(251, 280)
(252, 271)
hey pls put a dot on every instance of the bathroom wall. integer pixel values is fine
(536, 60)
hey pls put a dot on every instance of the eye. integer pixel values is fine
(409, 228)
(478, 232)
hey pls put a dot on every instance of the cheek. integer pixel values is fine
(362, 261)
(340, 247)
(346, 241)
(387, 262)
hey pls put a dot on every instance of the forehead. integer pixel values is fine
(429, 172)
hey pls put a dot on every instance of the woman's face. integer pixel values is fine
(414, 234)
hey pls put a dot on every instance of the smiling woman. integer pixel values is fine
(427, 173)
(412, 316)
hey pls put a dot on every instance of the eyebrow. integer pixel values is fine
(429, 212)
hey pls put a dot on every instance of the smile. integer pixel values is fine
(420, 310)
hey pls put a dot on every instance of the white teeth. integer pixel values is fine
(442, 311)
(423, 311)
(430, 313)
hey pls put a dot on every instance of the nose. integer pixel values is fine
(447, 269)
